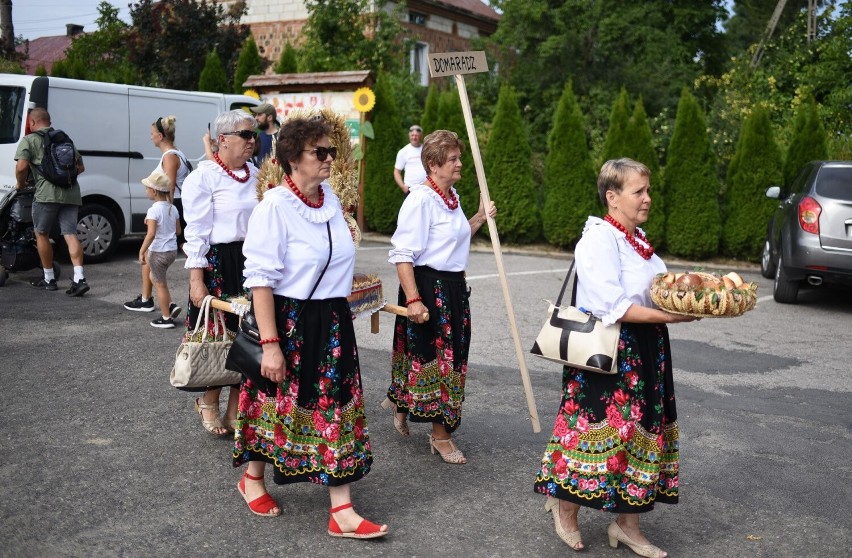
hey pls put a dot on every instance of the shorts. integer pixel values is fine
(45, 215)
(159, 263)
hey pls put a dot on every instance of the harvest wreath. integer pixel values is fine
(705, 295)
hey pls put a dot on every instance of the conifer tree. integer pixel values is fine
(640, 147)
(430, 114)
(755, 166)
(382, 198)
(451, 117)
(616, 135)
(248, 64)
(693, 223)
(570, 195)
(213, 77)
(509, 171)
(808, 142)
(288, 62)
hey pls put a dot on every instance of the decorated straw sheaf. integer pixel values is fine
(703, 295)
(344, 169)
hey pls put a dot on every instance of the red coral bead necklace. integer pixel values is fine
(302, 196)
(641, 250)
(230, 173)
(451, 203)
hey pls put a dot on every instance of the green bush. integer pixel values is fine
(639, 146)
(213, 77)
(755, 166)
(509, 171)
(429, 120)
(451, 117)
(570, 195)
(288, 62)
(809, 142)
(615, 145)
(692, 189)
(248, 64)
(382, 197)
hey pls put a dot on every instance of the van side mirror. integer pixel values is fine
(773, 192)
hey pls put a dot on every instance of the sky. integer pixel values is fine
(45, 18)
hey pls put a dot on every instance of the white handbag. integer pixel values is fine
(200, 359)
(576, 338)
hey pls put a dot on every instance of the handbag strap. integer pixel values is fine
(328, 261)
(203, 314)
(568, 279)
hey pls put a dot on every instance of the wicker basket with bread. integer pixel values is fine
(705, 295)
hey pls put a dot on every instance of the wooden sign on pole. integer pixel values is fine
(457, 64)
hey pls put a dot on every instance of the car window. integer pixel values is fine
(12, 101)
(800, 184)
(835, 182)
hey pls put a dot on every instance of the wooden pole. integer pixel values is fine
(498, 254)
(359, 211)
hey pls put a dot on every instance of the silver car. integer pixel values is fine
(809, 238)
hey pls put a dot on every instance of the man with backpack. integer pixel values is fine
(49, 156)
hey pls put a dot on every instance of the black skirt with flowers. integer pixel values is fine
(313, 429)
(615, 440)
(429, 360)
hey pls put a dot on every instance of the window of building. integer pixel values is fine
(420, 62)
(416, 18)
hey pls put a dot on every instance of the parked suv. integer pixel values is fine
(809, 238)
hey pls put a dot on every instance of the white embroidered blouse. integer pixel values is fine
(610, 274)
(286, 246)
(216, 209)
(429, 233)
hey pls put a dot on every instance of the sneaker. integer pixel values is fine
(138, 305)
(163, 323)
(78, 288)
(174, 311)
(44, 285)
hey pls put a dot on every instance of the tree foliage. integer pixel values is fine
(451, 117)
(213, 77)
(616, 134)
(570, 195)
(639, 146)
(694, 221)
(248, 64)
(169, 41)
(100, 55)
(755, 166)
(509, 171)
(382, 198)
(288, 63)
(429, 121)
(808, 142)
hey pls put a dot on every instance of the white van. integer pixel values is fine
(110, 125)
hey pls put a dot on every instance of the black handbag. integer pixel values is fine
(246, 351)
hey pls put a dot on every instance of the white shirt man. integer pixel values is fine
(408, 161)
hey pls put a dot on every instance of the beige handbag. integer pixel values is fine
(576, 338)
(200, 359)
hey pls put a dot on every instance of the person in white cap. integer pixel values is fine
(267, 123)
(408, 161)
(159, 249)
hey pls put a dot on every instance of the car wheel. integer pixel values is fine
(784, 290)
(97, 230)
(767, 268)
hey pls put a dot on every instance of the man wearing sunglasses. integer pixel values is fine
(408, 161)
(267, 125)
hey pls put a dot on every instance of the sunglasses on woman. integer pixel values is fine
(322, 153)
(245, 134)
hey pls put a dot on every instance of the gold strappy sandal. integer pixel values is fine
(401, 424)
(210, 426)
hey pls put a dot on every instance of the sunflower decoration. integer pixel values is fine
(252, 93)
(344, 169)
(364, 99)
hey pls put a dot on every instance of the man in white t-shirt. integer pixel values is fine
(408, 161)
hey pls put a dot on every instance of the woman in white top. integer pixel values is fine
(174, 165)
(299, 263)
(218, 198)
(614, 445)
(430, 250)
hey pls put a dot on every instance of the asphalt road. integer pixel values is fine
(99, 456)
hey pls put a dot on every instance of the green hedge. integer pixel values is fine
(639, 146)
(809, 142)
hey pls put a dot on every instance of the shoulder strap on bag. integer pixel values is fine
(568, 279)
(328, 261)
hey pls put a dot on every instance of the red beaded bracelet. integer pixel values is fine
(411, 301)
(270, 340)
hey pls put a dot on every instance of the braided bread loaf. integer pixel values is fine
(703, 294)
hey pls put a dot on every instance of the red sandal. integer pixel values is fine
(366, 529)
(262, 505)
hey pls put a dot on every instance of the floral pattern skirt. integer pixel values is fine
(223, 277)
(615, 441)
(313, 429)
(429, 361)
